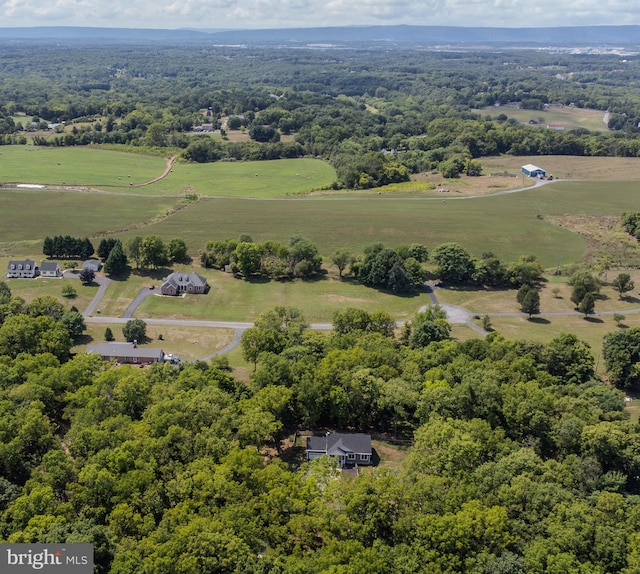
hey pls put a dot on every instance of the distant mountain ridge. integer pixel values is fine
(347, 35)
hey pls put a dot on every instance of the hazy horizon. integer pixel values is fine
(278, 14)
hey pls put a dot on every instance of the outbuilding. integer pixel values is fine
(531, 170)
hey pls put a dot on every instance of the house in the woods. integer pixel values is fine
(349, 449)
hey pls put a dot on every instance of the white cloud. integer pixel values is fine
(294, 13)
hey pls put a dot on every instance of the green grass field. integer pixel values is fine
(123, 172)
(507, 225)
(84, 166)
(569, 117)
(231, 299)
(247, 179)
(28, 215)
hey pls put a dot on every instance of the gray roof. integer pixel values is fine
(338, 443)
(125, 350)
(92, 262)
(49, 266)
(14, 264)
(177, 279)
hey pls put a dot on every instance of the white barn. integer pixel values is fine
(531, 170)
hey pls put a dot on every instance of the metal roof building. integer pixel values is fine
(533, 170)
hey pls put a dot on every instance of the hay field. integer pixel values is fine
(567, 116)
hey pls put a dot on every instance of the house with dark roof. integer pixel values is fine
(177, 283)
(25, 269)
(92, 265)
(349, 449)
(127, 353)
(50, 269)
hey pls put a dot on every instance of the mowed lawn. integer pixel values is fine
(261, 179)
(84, 166)
(231, 299)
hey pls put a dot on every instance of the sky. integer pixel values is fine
(244, 14)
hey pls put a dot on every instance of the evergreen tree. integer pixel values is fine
(116, 262)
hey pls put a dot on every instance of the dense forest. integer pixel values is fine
(377, 115)
(520, 460)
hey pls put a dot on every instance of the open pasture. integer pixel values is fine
(84, 166)
(566, 167)
(27, 216)
(247, 179)
(507, 225)
(568, 116)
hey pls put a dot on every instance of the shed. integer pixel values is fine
(533, 170)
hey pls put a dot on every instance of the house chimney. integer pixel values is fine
(135, 343)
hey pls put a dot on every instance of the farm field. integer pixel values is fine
(123, 172)
(61, 213)
(508, 225)
(247, 179)
(85, 166)
(569, 117)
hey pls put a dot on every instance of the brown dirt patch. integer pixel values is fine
(604, 237)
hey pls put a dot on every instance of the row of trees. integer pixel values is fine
(270, 259)
(65, 246)
(152, 252)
